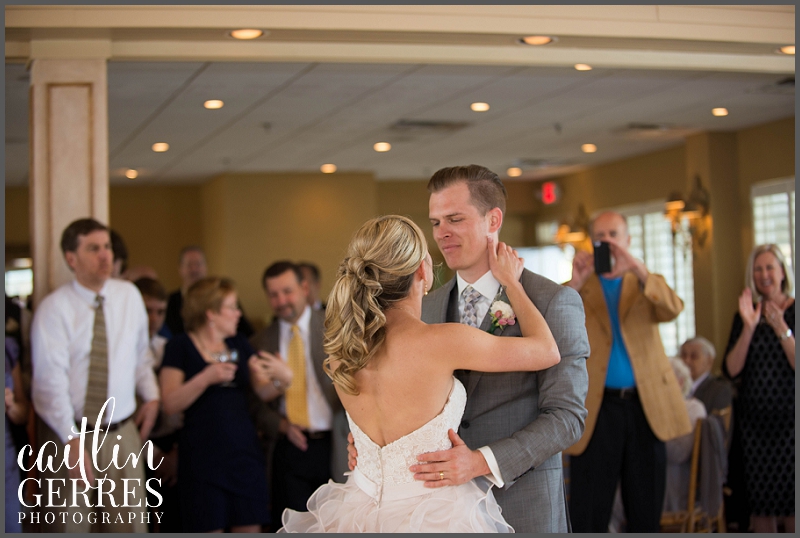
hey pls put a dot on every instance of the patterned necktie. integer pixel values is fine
(471, 297)
(296, 401)
(97, 385)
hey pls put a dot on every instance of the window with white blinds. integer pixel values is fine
(773, 215)
(652, 242)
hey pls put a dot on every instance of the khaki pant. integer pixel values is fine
(92, 517)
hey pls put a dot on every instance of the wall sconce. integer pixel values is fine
(574, 231)
(693, 209)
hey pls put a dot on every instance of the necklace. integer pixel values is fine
(409, 312)
(203, 350)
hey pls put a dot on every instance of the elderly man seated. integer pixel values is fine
(715, 392)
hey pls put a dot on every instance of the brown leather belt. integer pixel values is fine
(115, 426)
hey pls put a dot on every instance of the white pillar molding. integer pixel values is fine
(69, 158)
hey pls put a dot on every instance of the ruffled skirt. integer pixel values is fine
(357, 506)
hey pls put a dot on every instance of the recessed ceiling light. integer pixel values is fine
(537, 40)
(131, 173)
(246, 33)
(160, 147)
(479, 107)
(583, 67)
(719, 111)
(514, 172)
(327, 168)
(382, 146)
(787, 49)
(213, 104)
(588, 148)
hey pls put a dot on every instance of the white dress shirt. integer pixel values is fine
(320, 414)
(156, 349)
(61, 339)
(488, 287)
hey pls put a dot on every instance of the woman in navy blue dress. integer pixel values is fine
(221, 472)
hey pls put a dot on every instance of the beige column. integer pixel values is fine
(69, 154)
(717, 283)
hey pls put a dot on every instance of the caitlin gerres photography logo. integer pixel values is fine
(95, 490)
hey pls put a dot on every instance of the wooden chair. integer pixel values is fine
(686, 520)
(719, 520)
(694, 518)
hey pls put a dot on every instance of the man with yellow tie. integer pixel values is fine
(297, 430)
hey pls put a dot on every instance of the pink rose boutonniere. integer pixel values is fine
(502, 315)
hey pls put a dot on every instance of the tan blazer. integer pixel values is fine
(640, 312)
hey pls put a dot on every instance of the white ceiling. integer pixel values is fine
(286, 110)
(281, 117)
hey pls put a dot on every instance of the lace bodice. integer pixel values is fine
(389, 465)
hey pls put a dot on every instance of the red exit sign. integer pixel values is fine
(550, 192)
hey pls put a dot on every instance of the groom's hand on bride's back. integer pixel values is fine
(452, 467)
(352, 453)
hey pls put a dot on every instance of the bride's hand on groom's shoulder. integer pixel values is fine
(452, 467)
(504, 262)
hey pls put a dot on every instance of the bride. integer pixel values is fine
(394, 375)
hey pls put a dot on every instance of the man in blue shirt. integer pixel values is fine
(634, 402)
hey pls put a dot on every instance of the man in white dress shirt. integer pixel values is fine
(62, 338)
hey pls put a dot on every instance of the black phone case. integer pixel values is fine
(602, 258)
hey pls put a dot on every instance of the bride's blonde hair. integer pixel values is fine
(377, 272)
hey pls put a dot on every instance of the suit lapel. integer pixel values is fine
(630, 290)
(702, 387)
(595, 302)
(475, 376)
(448, 308)
(273, 340)
(487, 319)
(316, 332)
(447, 312)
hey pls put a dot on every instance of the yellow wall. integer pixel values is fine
(640, 179)
(156, 222)
(17, 222)
(253, 220)
(764, 152)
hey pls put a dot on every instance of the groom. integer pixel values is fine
(515, 424)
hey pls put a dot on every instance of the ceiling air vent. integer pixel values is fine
(647, 131)
(428, 126)
(539, 163)
(785, 86)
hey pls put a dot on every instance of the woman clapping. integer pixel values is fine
(761, 354)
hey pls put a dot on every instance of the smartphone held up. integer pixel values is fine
(602, 257)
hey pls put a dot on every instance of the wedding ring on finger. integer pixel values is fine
(441, 475)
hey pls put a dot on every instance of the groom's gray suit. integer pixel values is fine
(527, 418)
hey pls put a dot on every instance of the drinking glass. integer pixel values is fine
(231, 356)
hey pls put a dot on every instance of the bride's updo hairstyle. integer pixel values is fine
(377, 272)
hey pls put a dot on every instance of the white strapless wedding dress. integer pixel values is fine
(381, 495)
